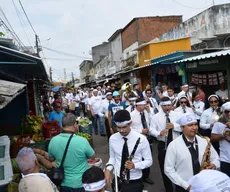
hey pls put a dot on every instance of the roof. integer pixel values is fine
(136, 18)
(9, 90)
(205, 56)
(114, 35)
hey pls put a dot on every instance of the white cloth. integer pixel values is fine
(178, 161)
(186, 119)
(210, 181)
(199, 108)
(222, 94)
(76, 99)
(158, 123)
(136, 120)
(96, 104)
(206, 119)
(154, 103)
(226, 106)
(129, 108)
(88, 103)
(69, 97)
(218, 129)
(181, 111)
(165, 93)
(104, 109)
(188, 95)
(116, 143)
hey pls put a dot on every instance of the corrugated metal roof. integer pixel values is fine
(205, 56)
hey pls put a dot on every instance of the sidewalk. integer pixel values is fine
(102, 151)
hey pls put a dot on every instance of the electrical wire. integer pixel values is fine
(189, 6)
(21, 22)
(64, 53)
(27, 17)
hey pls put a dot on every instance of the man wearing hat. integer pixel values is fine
(221, 134)
(140, 123)
(185, 91)
(104, 111)
(127, 148)
(184, 156)
(163, 126)
(132, 99)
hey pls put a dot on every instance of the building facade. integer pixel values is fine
(85, 69)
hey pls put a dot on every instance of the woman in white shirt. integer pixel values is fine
(197, 105)
(183, 106)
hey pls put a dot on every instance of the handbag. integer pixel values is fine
(57, 173)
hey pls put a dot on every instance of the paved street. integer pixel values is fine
(101, 148)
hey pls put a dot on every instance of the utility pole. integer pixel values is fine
(36, 44)
(73, 79)
(213, 2)
(51, 74)
(64, 74)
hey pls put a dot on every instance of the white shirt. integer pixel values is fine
(178, 161)
(104, 109)
(69, 97)
(206, 118)
(199, 108)
(181, 111)
(158, 123)
(84, 96)
(76, 99)
(165, 93)
(188, 95)
(136, 120)
(96, 104)
(129, 108)
(88, 103)
(222, 94)
(218, 129)
(116, 143)
(154, 103)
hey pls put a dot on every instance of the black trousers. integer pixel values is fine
(161, 158)
(132, 186)
(107, 128)
(225, 168)
(179, 189)
(83, 109)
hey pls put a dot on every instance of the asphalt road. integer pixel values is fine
(102, 151)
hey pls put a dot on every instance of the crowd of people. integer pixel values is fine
(191, 132)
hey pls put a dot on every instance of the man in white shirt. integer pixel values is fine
(222, 92)
(104, 111)
(126, 161)
(152, 102)
(171, 95)
(185, 91)
(76, 99)
(164, 90)
(83, 96)
(221, 133)
(140, 123)
(132, 101)
(95, 106)
(197, 106)
(184, 156)
(163, 126)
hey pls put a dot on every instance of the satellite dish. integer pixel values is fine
(90, 52)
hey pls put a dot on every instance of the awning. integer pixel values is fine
(205, 56)
(21, 63)
(8, 91)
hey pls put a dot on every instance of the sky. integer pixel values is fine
(74, 26)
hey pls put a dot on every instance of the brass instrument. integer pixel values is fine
(127, 89)
(207, 155)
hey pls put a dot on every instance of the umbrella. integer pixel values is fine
(56, 89)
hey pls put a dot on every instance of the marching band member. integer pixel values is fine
(163, 126)
(185, 92)
(140, 123)
(152, 102)
(132, 100)
(221, 133)
(187, 152)
(127, 148)
(198, 106)
(183, 106)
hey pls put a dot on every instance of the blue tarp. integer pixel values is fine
(56, 89)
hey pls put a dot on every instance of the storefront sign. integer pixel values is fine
(208, 62)
(191, 65)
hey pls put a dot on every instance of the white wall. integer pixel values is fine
(129, 51)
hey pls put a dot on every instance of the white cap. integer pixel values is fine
(186, 119)
(210, 181)
(226, 106)
(108, 93)
(95, 90)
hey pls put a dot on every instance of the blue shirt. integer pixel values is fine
(56, 116)
(114, 107)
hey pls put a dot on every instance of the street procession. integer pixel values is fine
(107, 99)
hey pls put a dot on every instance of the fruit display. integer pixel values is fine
(85, 135)
(38, 138)
(31, 124)
(84, 122)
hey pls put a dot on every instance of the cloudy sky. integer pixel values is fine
(74, 26)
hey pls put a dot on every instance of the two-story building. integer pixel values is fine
(85, 71)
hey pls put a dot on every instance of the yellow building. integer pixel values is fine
(152, 50)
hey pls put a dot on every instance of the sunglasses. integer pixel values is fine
(216, 101)
(226, 111)
(185, 102)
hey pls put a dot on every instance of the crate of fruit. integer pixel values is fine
(85, 126)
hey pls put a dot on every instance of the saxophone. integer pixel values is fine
(207, 155)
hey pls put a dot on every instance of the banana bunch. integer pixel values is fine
(85, 135)
(32, 124)
(36, 128)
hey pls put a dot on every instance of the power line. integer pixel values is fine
(64, 53)
(27, 17)
(21, 22)
(189, 6)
